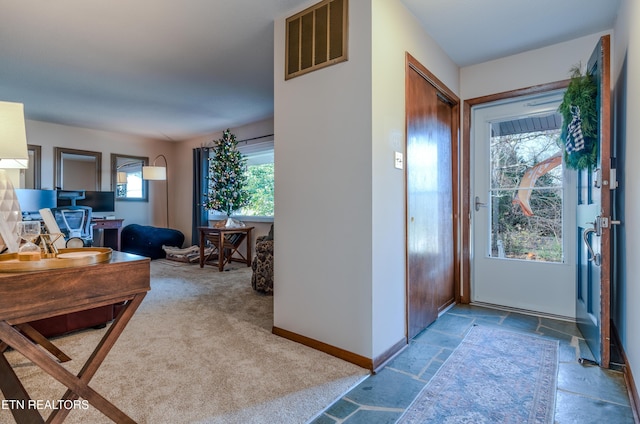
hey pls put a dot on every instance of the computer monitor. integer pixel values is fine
(31, 201)
(98, 201)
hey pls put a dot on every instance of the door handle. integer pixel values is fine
(593, 256)
(479, 204)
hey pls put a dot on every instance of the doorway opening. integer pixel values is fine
(523, 238)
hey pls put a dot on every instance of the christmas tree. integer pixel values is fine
(227, 176)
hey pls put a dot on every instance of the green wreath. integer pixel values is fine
(580, 121)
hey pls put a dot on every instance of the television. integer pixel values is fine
(98, 201)
(31, 201)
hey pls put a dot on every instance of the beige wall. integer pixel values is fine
(526, 69)
(323, 194)
(337, 130)
(49, 135)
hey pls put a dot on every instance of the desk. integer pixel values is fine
(225, 243)
(30, 296)
(112, 229)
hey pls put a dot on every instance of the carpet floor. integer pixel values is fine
(200, 350)
(493, 376)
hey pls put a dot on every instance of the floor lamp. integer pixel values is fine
(158, 173)
(13, 154)
(122, 176)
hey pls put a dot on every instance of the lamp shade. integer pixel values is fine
(13, 136)
(122, 177)
(154, 173)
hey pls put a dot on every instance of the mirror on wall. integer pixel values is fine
(126, 177)
(32, 178)
(77, 169)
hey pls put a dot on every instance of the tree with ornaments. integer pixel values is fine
(227, 176)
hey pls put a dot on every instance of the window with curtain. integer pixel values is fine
(259, 154)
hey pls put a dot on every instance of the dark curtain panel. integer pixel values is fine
(200, 187)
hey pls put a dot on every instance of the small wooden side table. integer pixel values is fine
(225, 243)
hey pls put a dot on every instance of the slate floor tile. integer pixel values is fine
(416, 358)
(437, 338)
(572, 408)
(387, 389)
(373, 417)
(593, 381)
(585, 395)
(342, 409)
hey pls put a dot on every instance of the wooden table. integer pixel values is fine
(112, 229)
(28, 296)
(225, 243)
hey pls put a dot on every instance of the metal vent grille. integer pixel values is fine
(316, 37)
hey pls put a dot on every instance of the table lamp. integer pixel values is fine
(158, 173)
(13, 154)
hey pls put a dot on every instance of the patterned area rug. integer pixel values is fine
(494, 376)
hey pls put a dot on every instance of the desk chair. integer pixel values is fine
(75, 224)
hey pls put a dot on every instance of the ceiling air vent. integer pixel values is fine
(316, 37)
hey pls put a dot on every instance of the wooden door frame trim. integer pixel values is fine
(411, 63)
(465, 296)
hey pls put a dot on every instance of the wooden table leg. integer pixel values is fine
(13, 389)
(30, 351)
(78, 385)
(221, 255)
(34, 335)
(100, 352)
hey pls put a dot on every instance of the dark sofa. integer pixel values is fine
(145, 240)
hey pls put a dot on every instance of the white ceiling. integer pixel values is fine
(475, 31)
(174, 69)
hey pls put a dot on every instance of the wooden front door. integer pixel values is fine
(431, 150)
(594, 213)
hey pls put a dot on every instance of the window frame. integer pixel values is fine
(249, 148)
(118, 161)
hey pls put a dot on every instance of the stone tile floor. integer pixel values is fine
(585, 394)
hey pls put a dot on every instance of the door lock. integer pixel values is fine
(605, 222)
(597, 181)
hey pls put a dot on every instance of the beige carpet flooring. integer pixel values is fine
(200, 350)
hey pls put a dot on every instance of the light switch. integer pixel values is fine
(399, 161)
